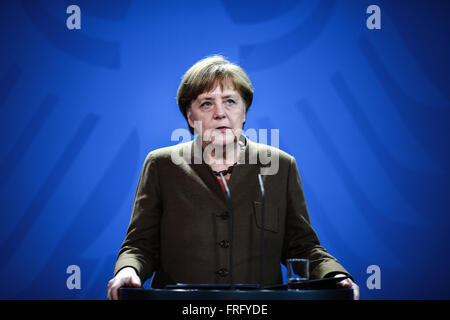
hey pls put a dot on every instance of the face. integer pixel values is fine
(221, 114)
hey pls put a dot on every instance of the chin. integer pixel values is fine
(222, 141)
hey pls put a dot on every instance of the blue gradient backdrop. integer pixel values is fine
(365, 112)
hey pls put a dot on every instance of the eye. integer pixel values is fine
(206, 104)
(230, 101)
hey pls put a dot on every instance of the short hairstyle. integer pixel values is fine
(207, 73)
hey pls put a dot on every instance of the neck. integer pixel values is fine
(222, 155)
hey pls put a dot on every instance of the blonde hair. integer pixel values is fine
(207, 73)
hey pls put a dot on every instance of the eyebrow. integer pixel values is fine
(231, 95)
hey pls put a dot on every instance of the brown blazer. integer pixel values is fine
(179, 223)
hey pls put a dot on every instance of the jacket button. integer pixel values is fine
(224, 243)
(224, 215)
(222, 272)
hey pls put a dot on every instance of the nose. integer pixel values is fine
(219, 110)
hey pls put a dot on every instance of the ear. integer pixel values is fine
(190, 117)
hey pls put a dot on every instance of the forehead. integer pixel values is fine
(224, 88)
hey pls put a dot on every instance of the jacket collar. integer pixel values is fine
(245, 173)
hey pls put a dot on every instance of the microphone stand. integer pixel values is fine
(230, 229)
(263, 209)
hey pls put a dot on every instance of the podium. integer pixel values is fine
(202, 294)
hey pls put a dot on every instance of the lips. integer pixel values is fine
(223, 129)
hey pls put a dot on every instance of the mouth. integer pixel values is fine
(223, 129)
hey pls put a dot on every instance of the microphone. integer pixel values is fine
(230, 229)
(263, 209)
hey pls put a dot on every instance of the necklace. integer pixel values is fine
(224, 172)
(230, 168)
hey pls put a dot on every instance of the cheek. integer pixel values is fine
(239, 119)
(206, 125)
(200, 120)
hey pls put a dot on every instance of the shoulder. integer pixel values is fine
(271, 151)
(273, 161)
(168, 153)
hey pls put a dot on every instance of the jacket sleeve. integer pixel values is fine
(140, 248)
(300, 240)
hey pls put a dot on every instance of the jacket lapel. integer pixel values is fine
(245, 173)
(243, 178)
(204, 172)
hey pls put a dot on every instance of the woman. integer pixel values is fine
(179, 227)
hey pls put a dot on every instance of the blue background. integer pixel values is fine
(365, 112)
